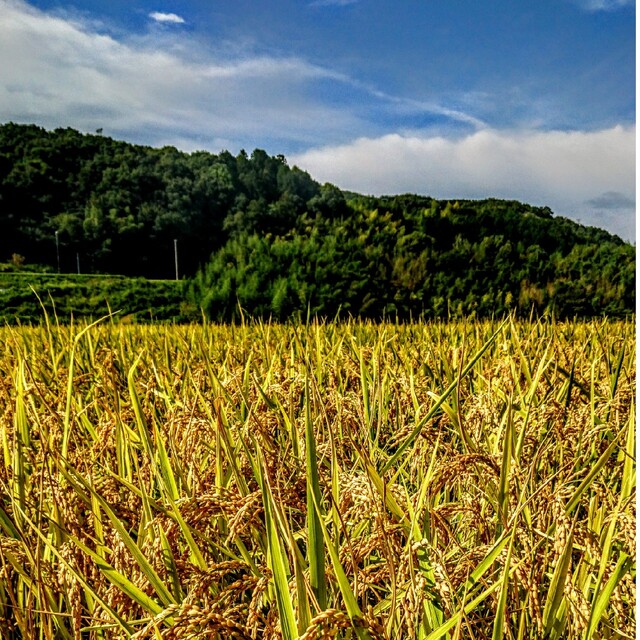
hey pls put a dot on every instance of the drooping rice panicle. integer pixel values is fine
(351, 480)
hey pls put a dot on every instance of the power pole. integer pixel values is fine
(58, 251)
(175, 253)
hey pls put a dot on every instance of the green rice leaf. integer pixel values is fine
(622, 567)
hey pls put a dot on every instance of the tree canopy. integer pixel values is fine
(255, 233)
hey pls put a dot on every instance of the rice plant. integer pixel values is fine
(348, 480)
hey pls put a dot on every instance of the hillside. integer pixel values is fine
(253, 231)
(26, 297)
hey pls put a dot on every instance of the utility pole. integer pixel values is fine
(175, 253)
(58, 251)
(78, 262)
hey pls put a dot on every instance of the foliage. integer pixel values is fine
(27, 297)
(417, 257)
(261, 481)
(255, 234)
(119, 207)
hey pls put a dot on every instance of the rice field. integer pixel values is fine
(347, 480)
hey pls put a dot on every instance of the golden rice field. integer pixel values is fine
(442, 480)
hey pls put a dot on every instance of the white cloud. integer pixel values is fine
(172, 18)
(604, 5)
(332, 3)
(64, 70)
(61, 72)
(575, 173)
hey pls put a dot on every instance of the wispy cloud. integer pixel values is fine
(61, 72)
(65, 72)
(604, 5)
(170, 18)
(555, 168)
(332, 3)
(610, 200)
(409, 105)
(162, 87)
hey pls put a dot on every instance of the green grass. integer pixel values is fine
(82, 297)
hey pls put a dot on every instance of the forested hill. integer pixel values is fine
(254, 231)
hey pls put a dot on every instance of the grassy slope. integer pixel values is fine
(89, 296)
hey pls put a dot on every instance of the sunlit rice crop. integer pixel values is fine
(353, 480)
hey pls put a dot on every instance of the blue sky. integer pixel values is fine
(527, 99)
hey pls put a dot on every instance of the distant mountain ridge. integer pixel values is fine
(255, 233)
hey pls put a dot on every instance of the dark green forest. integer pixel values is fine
(255, 234)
